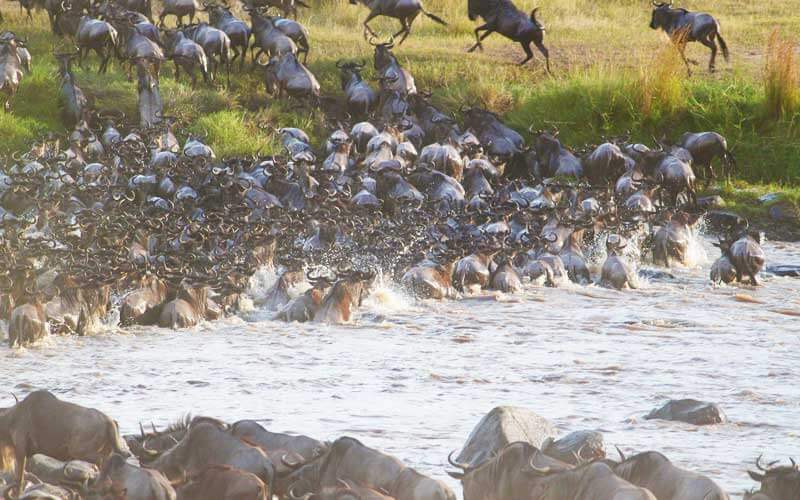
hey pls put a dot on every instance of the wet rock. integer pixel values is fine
(74, 472)
(787, 270)
(725, 220)
(502, 426)
(576, 447)
(46, 491)
(769, 197)
(690, 411)
(784, 211)
(655, 274)
(711, 202)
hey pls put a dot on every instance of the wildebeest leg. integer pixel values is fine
(711, 44)
(21, 457)
(545, 53)
(526, 46)
(738, 276)
(161, 19)
(753, 279)
(367, 29)
(489, 30)
(406, 30)
(177, 71)
(682, 52)
(80, 57)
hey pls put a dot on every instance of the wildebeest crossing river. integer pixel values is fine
(413, 377)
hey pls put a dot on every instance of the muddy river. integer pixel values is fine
(412, 378)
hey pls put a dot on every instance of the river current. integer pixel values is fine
(413, 377)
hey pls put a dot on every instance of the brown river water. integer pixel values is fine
(412, 378)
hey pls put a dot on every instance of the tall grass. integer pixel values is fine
(780, 76)
(660, 86)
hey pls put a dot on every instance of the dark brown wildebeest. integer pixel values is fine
(132, 483)
(778, 483)
(595, 481)
(209, 443)
(684, 26)
(510, 475)
(222, 482)
(41, 423)
(654, 471)
(503, 17)
(277, 445)
(147, 446)
(348, 459)
(745, 254)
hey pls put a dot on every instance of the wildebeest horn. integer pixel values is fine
(292, 465)
(538, 470)
(292, 495)
(758, 460)
(141, 429)
(16, 400)
(343, 483)
(621, 455)
(462, 465)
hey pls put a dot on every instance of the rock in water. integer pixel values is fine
(502, 426)
(576, 446)
(690, 411)
(792, 271)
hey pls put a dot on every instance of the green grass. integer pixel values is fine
(612, 74)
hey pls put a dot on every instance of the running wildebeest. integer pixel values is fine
(504, 17)
(684, 26)
(41, 423)
(404, 11)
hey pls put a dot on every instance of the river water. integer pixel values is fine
(412, 378)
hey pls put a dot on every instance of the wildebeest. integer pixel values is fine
(509, 475)
(186, 54)
(595, 481)
(286, 75)
(348, 459)
(554, 159)
(237, 30)
(277, 445)
(360, 96)
(343, 298)
(27, 323)
(347, 490)
(705, 147)
(189, 307)
(778, 483)
(207, 443)
(216, 45)
(118, 477)
(430, 279)
(684, 26)
(222, 482)
(746, 255)
(672, 240)
(616, 271)
(500, 142)
(143, 304)
(151, 107)
(390, 73)
(10, 68)
(179, 8)
(666, 481)
(41, 423)
(404, 11)
(573, 258)
(74, 104)
(505, 18)
(268, 38)
(672, 170)
(605, 164)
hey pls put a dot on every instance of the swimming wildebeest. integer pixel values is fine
(41, 423)
(404, 11)
(684, 26)
(349, 459)
(505, 18)
(595, 481)
(778, 483)
(745, 254)
(654, 471)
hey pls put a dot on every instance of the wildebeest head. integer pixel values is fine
(779, 483)
(662, 15)
(349, 71)
(383, 54)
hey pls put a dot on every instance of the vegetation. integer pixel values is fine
(612, 74)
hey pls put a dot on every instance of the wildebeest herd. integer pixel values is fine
(122, 216)
(61, 450)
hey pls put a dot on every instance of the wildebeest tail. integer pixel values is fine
(113, 36)
(302, 4)
(724, 46)
(434, 17)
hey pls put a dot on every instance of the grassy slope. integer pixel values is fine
(612, 74)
